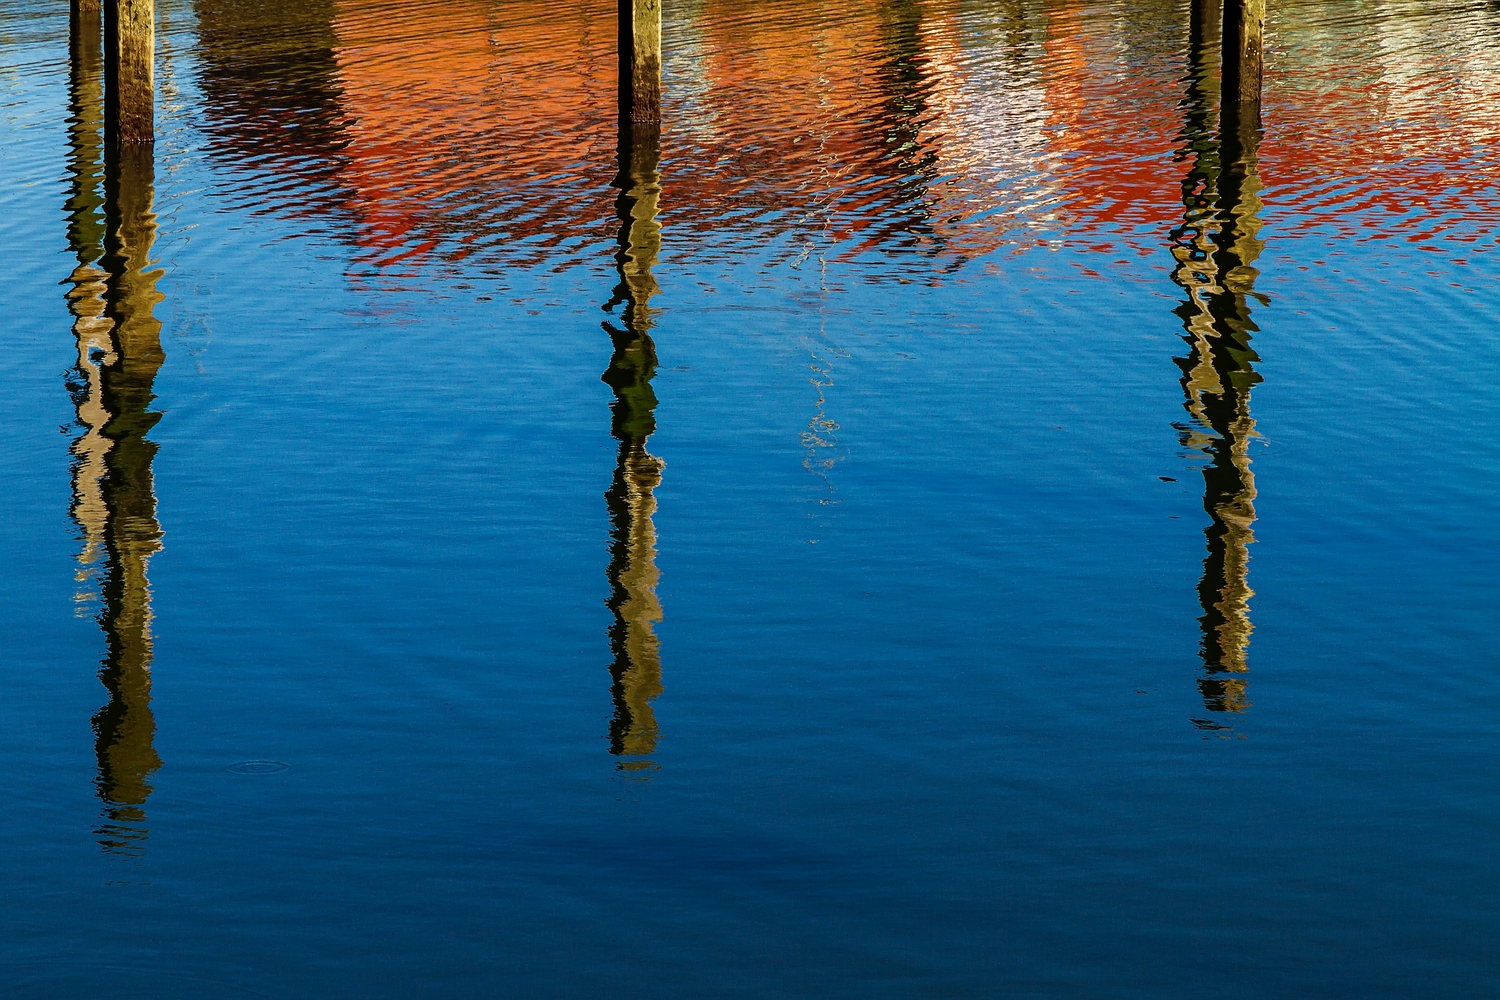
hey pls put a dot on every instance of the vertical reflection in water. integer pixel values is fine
(903, 81)
(636, 670)
(271, 93)
(117, 506)
(1215, 248)
(91, 331)
(820, 439)
(111, 297)
(1205, 20)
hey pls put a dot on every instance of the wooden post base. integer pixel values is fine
(129, 86)
(1244, 50)
(640, 60)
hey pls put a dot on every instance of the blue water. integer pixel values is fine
(905, 645)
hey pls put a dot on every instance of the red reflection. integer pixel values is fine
(890, 127)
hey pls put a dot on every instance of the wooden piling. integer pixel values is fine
(640, 60)
(129, 87)
(1244, 50)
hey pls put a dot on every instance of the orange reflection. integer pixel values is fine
(928, 129)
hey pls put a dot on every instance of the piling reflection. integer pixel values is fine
(820, 438)
(905, 82)
(636, 670)
(112, 296)
(86, 285)
(1215, 248)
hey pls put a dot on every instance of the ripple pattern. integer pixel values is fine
(926, 134)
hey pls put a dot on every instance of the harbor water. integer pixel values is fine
(952, 512)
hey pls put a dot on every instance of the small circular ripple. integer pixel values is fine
(259, 767)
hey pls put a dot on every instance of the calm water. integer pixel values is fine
(943, 517)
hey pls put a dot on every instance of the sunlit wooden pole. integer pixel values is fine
(640, 60)
(129, 89)
(1244, 50)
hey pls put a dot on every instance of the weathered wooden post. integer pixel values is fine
(129, 89)
(640, 60)
(1244, 50)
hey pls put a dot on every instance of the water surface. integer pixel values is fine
(950, 513)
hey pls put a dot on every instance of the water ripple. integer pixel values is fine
(926, 134)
